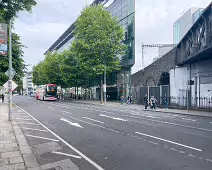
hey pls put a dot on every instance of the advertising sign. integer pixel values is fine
(3, 39)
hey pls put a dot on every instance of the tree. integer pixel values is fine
(49, 70)
(98, 41)
(18, 62)
(10, 8)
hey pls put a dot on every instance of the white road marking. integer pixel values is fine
(66, 143)
(210, 122)
(114, 118)
(152, 117)
(20, 116)
(66, 154)
(93, 120)
(168, 116)
(42, 105)
(28, 123)
(175, 124)
(143, 134)
(39, 137)
(71, 123)
(64, 111)
(50, 107)
(189, 119)
(34, 129)
(22, 119)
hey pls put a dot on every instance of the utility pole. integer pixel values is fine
(104, 87)
(10, 72)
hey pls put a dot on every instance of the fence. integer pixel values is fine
(198, 102)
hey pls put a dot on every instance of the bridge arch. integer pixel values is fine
(164, 79)
(150, 81)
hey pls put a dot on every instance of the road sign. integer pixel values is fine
(13, 73)
(3, 39)
(13, 84)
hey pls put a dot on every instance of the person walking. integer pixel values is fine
(165, 101)
(153, 102)
(146, 101)
(2, 97)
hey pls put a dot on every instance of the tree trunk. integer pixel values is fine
(101, 90)
(77, 94)
(75, 97)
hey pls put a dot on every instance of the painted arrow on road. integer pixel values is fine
(71, 123)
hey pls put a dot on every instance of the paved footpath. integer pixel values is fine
(15, 153)
(141, 107)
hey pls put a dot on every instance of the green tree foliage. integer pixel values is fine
(49, 70)
(10, 8)
(97, 46)
(98, 39)
(18, 62)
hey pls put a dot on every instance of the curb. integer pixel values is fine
(178, 113)
(188, 114)
(26, 152)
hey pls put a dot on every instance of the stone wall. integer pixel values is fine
(150, 76)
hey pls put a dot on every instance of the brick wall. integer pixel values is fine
(152, 73)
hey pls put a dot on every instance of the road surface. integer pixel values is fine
(90, 137)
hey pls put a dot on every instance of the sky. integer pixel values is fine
(50, 18)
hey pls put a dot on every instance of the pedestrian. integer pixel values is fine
(146, 101)
(130, 99)
(122, 99)
(2, 96)
(153, 101)
(165, 101)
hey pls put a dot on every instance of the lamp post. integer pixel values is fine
(10, 72)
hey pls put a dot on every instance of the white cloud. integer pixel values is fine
(50, 18)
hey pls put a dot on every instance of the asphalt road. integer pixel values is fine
(114, 138)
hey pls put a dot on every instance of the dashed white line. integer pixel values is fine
(191, 155)
(28, 123)
(40, 130)
(114, 118)
(66, 143)
(186, 146)
(66, 154)
(39, 137)
(50, 107)
(189, 119)
(93, 120)
(22, 119)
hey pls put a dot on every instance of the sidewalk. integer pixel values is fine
(141, 107)
(15, 153)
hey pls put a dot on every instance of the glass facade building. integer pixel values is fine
(184, 23)
(118, 83)
(197, 14)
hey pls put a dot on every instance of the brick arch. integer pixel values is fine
(154, 70)
(150, 81)
(164, 78)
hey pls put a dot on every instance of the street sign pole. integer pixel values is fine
(10, 73)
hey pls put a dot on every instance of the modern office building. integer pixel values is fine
(118, 83)
(27, 83)
(184, 23)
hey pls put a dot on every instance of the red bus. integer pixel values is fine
(46, 92)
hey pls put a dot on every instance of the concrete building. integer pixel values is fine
(27, 83)
(161, 52)
(118, 83)
(184, 23)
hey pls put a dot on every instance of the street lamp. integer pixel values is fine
(10, 69)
